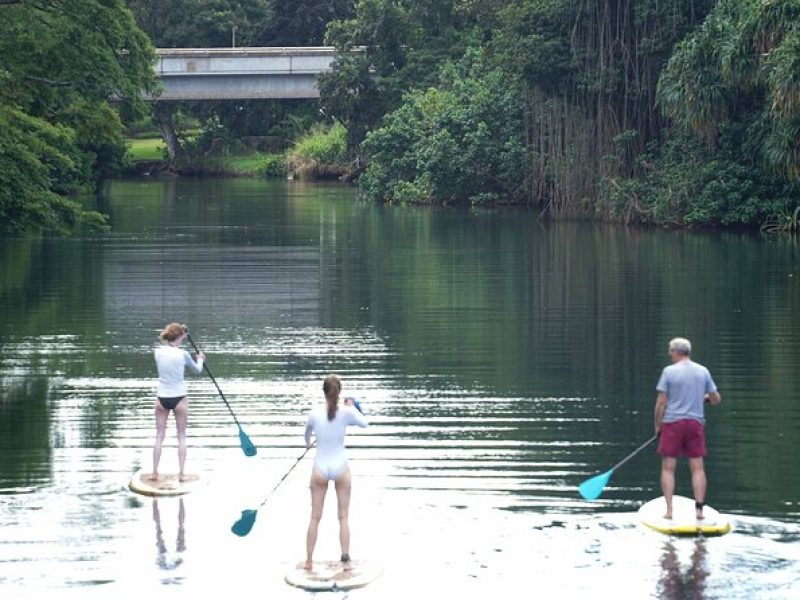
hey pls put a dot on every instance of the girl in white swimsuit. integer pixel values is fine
(329, 424)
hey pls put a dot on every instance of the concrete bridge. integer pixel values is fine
(241, 73)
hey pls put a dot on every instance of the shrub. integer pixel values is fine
(322, 152)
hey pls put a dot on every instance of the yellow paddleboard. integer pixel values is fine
(166, 485)
(331, 576)
(683, 521)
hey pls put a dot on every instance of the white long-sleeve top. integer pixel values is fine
(170, 363)
(330, 457)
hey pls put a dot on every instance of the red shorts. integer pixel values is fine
(684, 438)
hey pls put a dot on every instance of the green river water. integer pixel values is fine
(501, 362)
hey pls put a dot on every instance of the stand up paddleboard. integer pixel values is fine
(331, 576)
(683, 521)
(167, 484)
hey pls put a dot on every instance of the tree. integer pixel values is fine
(457, 142)
(203, 23)
(742, 65)
(67, 66)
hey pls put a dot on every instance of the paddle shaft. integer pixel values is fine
(205, 366)
(635, 452)
(277, 485)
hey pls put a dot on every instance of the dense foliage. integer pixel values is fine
(675, 112)
(672, 112)
(62, 62)
(460, 140)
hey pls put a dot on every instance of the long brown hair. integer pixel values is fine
(332, 386)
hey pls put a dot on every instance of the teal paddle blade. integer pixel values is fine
(245, 523)
(593, 487)
(247, 446)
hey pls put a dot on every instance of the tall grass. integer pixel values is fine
(320, 153)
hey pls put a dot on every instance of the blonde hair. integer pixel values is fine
(172, 332)
(332, 387)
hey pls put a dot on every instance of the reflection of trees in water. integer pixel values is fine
(25, 432)
(679, 583)
(165, 559)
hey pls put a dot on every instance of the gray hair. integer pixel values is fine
(681, 346)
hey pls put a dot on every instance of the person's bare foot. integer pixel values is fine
(698, 507)
(308, 565)
(346, 564)
(152, 477)
(668, 516)
(182, 478)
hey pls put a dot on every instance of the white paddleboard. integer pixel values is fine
(684, 520)
(166, 485)
(331, 575)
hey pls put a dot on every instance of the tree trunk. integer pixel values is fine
(163, 114)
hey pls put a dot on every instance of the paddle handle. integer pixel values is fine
(635, 452)
(211, 375)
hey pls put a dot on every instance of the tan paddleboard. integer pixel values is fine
(331, 576)
(166, 485)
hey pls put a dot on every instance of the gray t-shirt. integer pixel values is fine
(685, 383)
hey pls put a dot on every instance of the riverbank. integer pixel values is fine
(148, 156)
(320, 153)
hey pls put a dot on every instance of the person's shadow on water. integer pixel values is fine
(677, 583)
(166, 560)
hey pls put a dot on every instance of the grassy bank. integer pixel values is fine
(252, 164)
(146, 150)
(321, 153)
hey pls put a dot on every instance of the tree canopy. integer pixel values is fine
(67, 68)
(675, 112)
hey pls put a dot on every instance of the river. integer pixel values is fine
(501, 361)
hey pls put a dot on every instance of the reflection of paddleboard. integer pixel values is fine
(329, 575)
(167, 484)
(683, 520)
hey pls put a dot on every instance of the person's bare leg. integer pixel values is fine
(698, 484)
(668, 482)
(181, 418)
(161, 428)
(343, 489)
(319, 485)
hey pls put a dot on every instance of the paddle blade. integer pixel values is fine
(248, 447)
(245, 523)
(592, 488)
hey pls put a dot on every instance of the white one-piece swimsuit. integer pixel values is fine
(330, 459)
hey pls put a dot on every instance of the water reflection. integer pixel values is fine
(167, 560)
(25, 433)
(681, 580)
(503, 362)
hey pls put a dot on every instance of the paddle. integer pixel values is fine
(247, 446)
(593, 487)
(245, 523)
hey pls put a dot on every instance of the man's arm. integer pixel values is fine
(713, 397)
(661, 405)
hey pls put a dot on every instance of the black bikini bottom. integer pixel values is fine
(170, 403)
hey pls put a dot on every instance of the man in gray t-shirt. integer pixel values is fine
(683, 388)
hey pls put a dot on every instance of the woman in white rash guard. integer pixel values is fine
(329, 423)
(171, 362)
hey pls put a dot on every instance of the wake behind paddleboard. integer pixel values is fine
(683, 521)
(166, 485)
(331, 576)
